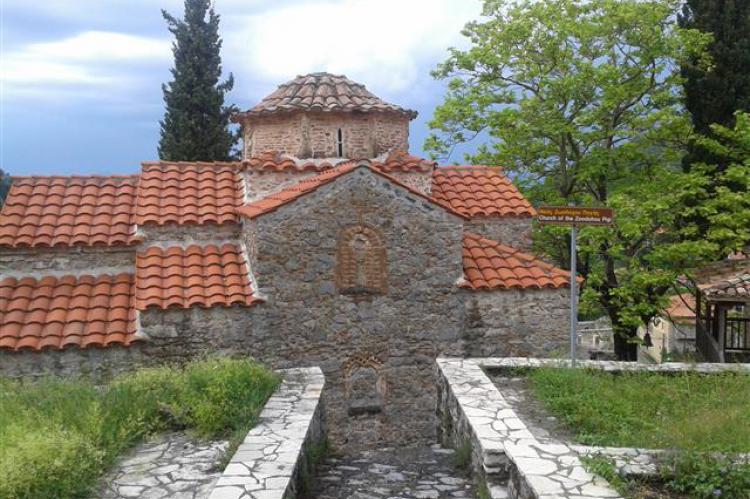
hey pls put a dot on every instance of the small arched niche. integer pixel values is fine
(361, 263)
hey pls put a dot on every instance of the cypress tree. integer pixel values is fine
(196, 120)
(713, 95)
(4, 185)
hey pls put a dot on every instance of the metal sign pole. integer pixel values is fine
(573, 297)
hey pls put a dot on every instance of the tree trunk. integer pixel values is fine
(624, 349)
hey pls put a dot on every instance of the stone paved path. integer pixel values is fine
(171, 466)
(418, 472)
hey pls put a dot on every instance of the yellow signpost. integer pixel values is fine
(574, 216)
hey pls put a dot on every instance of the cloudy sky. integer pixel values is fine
(81, 79)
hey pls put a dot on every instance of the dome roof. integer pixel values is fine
(322, 92)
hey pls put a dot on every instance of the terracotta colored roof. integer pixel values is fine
(681, 307)
(68, 211)
(735, 287)
(479, 191)
(67, 311)
(204, 276)
(274, 201)
(322, 92)
(401, 161)
(188, 193)
(275, 161)
(491, 265)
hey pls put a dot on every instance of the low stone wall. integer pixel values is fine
(273, 462)
(474, 412)
(98, 364)
(504, 452)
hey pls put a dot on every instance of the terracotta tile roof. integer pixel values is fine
(204, 276)
(68, 311)
(68, 211)
(734, 287)
(681, 307)
(401, 161)
(322, 92)
(275, 161)
(188, 193)
(274, 201)
(479, 191)
(491, 265)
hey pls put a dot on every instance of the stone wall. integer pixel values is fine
(513, 231)
(259, 184)
(182, 235)
(420, 181)
(99, 364)
(376, 347)
(314, 135)
(516, 322)
(40, 262)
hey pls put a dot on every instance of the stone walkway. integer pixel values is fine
(170, 466)
(418, 472)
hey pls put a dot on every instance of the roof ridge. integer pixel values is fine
(75, 177)
(210, 164)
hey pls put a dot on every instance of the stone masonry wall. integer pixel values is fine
(259, 184)
(40, 262)
(377, 351)
(420, 181)
(99, 364)
(314, 135)
(513, 231)
(515, 322)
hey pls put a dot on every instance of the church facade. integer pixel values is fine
(327, 244)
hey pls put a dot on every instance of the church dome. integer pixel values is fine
(323, 92)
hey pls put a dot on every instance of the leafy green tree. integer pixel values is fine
(714, 93)
(4, 186)
(581, 100)
(196, 122)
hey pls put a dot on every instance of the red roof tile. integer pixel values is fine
(401, 161)
(188, 193)
(274, 161)
(274, 201)
(322, 92)
(681, 307)
(479, 191)
(491, 265)
(68, 311)
(68, 211)
(204, 276)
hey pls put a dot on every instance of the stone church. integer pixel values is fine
(327, 244)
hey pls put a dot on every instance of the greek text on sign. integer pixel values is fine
(574, 215)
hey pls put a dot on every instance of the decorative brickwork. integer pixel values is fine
(362, 266)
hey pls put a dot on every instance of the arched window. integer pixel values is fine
(362, 267)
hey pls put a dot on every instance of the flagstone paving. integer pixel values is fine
(415, 472)
(170, 466)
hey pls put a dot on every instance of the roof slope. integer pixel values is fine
(204, 276)
(56, 313)
(681, 307)
(322, 92)
(68, 211)
(188, 193)
(733, 287)
(479, 191)
(275, 200)
(491, 265)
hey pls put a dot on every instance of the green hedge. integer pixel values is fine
(57, 437)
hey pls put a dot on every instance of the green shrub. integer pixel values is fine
(707, 476)
(57, 437)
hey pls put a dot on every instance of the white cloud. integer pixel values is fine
(385, 43)
(88, 59)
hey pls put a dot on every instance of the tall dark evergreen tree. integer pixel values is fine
(4, 185)
(196, 121)
(713, 95)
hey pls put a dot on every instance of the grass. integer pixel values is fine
(682, 411)
(704, 417)
(57, 437)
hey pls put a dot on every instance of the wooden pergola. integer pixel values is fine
(722, 329)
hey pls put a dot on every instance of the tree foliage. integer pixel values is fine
(582, 102)
(196, 120)
(5, 180)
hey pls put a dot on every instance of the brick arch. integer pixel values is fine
(361, 263)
